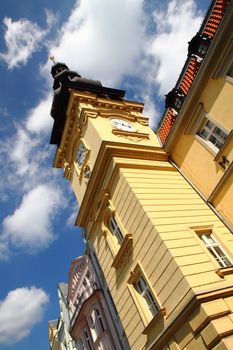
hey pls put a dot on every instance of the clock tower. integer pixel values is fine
(163, 252)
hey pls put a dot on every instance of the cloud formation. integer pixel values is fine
(23, 38)
(20, 311)
(117, 42)
(103, 40)
(38, 120)
(113, 41)
(30, 226)
(170, 44)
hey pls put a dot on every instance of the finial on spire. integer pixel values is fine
(52, 58)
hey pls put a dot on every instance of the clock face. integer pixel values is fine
(122, 125)
(80, 155)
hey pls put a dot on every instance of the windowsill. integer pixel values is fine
(229, 79)
(160, 314)
(223, 271)
(209, 147)
(99, 338)
(123, 252)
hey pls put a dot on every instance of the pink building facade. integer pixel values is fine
(91, 326)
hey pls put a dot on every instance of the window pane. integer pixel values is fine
(213, 133)
(204, 133)
(209, 124)
(100, 322)
(115, 230)
(216, 250)
(145, 292)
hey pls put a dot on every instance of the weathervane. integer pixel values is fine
(52, 58)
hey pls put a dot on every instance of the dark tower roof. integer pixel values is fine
(65, 79)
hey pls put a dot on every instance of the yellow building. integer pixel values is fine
(165, 254)
(200, 141)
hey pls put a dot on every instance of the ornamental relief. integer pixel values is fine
(85, 114)
(101, 202)
(68, 171)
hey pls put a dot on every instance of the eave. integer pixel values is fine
(194, 70)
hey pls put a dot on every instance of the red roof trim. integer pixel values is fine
(215, 17)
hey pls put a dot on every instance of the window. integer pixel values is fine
(79, 344)
(215, 249)
(96, 324)
(115, 230)
(91, 322)
(213, 134)
(99, 321)
(145, 301)
(143, 289)
(88, 340)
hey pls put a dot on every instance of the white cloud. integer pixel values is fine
(30, 226)
(20, 311)
(22, 39)
(102, 39)
(51, 18)
(4, 251)
(21, 150)
(39, 120)
(110, 40)
(175, 27)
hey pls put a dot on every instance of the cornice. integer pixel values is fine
(193, 304)
(206, 71)
(83, 105)
(127, 153)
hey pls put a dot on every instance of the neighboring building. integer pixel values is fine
(59, 336)
(165, 254)
(196, 129)
(53, 335)
(85, 322)
(91, 325)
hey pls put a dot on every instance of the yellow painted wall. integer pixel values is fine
(158, 207)
(217, 98)
(197, 161)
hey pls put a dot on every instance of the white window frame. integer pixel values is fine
(145, 299)
(115, 230)
(99, 321)
(215, 249)
(208, 132)
(143, 289)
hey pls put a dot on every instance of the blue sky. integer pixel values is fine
(136, 45)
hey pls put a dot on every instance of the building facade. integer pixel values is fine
(196, 129)
(85, 321)
(166, 255)
(91, 326)
(59, 335)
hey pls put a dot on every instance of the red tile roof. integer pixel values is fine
(208, 29)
